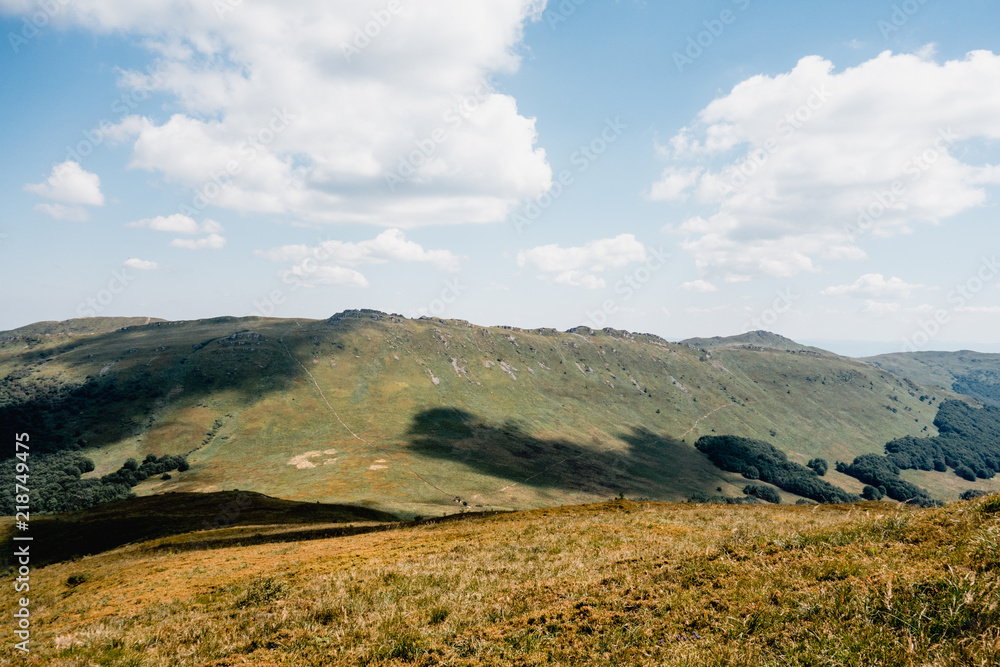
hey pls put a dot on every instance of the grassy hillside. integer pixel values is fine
(972, 373)
(618, 583)
(112, 525)
(435, 416)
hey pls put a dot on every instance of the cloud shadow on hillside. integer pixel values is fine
(649, 464)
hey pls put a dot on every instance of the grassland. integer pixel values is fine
(973, 373)
(342, 410)
(616, 583)
(114, 524)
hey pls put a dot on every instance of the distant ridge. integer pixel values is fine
(764, 340)
(79, 326)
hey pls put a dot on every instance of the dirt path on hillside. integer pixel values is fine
(706, 416)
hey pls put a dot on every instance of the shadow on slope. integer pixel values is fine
(111, 525)
(652, 466)
(96, 390)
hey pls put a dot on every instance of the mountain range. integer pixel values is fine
(432, 416)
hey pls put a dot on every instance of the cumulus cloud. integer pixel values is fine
(797, 168)
(62, 212)
(141, 264)
(875, 284)
(579, 266)
(72, 187)
(177, 224)
(287, 107)
(327, 263)
(699, 286)
(675, 184)
(210, 242)
(183, 224)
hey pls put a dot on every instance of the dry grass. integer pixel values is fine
(618, 583)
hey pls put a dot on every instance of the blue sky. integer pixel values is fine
(509, 162)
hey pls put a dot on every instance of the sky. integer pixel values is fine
(824, 170)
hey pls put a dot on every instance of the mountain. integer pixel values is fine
(974, 374)
(752, 340)
(430, 416)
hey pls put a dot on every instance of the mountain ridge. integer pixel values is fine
(431, 415)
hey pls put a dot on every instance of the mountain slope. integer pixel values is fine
(431, 416)
(613, 584)
(974, 374)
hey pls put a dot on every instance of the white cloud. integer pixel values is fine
(674, 184)
(210, 242)
(141, 264)
(323, 275)
(177, 224)
(69, 183)
(699, 286)
(312, 133)
(875, 284)
(578, 266)
(72, 187)
(326, 263)
(817, 147)
(61, 212)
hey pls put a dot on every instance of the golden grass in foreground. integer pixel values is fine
(620, 583)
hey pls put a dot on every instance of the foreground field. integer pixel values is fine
(618, 583)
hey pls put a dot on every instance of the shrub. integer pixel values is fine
(77, 579)
(871, 493)
(819, 466)
(972, 494)
(881, 472)
(765, 493)
(965, 473)
(771, 465)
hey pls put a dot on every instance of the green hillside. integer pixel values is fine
(436, 416)
(971, 373)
